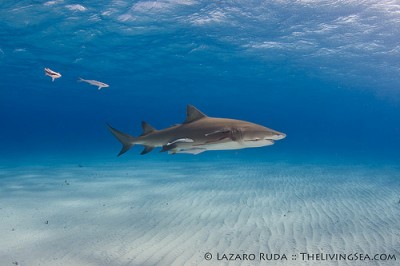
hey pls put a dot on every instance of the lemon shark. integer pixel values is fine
(199, 133)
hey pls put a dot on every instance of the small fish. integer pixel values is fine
(95, 83)
(54, 75)
(187, 140)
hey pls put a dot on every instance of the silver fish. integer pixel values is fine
(54, 75)
(99, 84)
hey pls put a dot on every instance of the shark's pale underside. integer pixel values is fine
(199, 133)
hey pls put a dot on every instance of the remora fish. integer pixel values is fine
(54, 75)
(95, 83)
(200, 133)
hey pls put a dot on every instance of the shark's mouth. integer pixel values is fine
(255, 140)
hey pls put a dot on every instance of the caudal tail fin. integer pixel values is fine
(126, 140)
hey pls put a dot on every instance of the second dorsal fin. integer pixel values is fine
(147, 129)
(193, 114)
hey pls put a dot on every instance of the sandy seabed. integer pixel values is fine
(174, 213)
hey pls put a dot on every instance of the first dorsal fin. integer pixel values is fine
(193, 114)
(147, 128)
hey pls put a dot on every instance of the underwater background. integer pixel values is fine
(326, 73)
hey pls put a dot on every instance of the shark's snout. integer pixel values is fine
(279, 136)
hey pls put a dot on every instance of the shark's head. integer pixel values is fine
(253, 135)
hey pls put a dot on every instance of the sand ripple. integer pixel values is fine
(173, 213)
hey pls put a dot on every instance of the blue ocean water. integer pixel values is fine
(326, 74)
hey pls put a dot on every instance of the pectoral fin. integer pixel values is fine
(217, 136)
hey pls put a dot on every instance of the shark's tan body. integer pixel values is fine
(200, 133)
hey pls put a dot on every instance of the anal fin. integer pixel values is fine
(146, 150)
